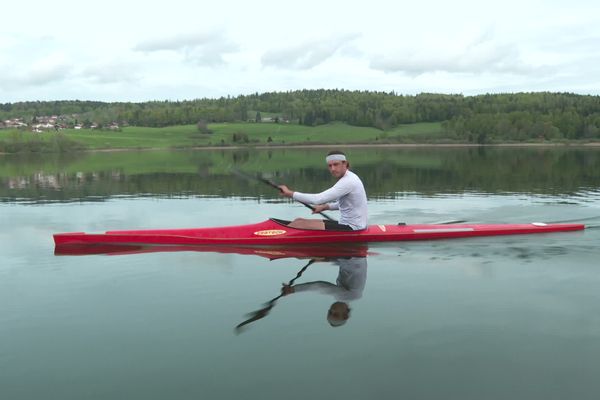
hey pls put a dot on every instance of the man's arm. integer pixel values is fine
(341, 188)
(319, 286)
(320, 208)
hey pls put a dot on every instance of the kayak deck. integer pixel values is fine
(276, 232)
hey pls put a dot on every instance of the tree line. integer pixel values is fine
(481, 118)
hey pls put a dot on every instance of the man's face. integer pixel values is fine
(337, 168)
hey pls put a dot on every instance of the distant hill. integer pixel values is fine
(477, 119)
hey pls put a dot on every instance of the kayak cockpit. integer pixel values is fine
(286, 223)
(281, 222)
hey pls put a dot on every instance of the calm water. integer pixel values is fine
(487, 318)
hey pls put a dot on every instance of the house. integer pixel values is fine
(42, 126)
(14, 123)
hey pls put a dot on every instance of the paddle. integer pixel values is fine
(454, 221)
(274, 185)
(263, 312)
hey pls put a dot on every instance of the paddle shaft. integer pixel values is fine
(272, 184)
(275, 186)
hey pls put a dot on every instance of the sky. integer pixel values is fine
(182, 50)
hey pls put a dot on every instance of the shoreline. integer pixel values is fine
(353, 145)
(348, 145)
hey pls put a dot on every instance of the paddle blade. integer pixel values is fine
(255, 316)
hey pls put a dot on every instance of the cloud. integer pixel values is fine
(580, 46)
(307, 55)
(43, 74)
(176, 42)
(483, 55)
(32, 61)
(112, 73)
(200, 48)
(44, 71)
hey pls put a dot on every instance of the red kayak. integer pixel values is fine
(276, 232)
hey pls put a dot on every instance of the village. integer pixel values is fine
(40, 124)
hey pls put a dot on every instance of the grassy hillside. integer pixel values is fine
(245, 134)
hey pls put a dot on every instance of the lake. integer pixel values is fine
(515, 317)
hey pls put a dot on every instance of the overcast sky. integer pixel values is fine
(174, 50)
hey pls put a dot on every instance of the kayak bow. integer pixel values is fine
(276, 232)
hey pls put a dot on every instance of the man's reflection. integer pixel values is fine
(349, 286)
(350, 283)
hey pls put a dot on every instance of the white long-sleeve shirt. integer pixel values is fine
(347, 195)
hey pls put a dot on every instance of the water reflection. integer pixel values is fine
(387, 173)
(263, 312)
(315, 251)
(349, 286)
(351, 260)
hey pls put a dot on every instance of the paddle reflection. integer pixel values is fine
(349, 285)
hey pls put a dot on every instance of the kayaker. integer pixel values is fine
(349, 285)
(347, 195)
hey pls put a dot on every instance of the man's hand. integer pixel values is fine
(285, 191)
(287, 289)
(320, 207)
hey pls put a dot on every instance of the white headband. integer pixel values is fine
(335, 157)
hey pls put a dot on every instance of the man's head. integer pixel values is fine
(338, 313)
(337, 163)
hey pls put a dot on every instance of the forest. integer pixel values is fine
(477, 119)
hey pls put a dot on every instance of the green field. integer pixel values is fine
(225, 134)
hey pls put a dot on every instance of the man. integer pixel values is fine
(347, 195)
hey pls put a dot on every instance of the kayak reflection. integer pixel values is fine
(349, 285)
(351, 260)
(270, 252)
